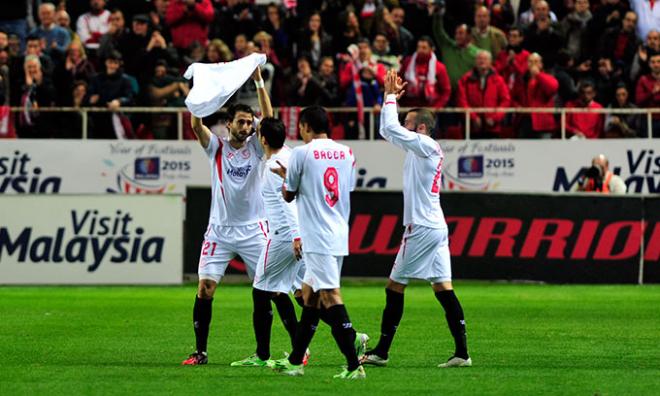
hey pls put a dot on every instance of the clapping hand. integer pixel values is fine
(394, 84)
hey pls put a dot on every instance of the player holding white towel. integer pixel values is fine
(236, 222)
(424, 251)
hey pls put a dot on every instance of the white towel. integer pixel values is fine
(215, 83)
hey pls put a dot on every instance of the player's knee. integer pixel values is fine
(395, 286)
(330, 297)
(442, 286)
(206, 288)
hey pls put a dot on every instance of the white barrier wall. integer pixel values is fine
(100, 239)
(154, 167)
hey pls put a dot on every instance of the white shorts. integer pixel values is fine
(300, 276)
(322, 271)
(223, 243)
(277, 267)
(424, 254)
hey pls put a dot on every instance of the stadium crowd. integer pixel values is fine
(464, 53)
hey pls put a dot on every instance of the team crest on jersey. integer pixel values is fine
(245, 154)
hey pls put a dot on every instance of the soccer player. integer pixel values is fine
(424, 251)
(321, 174)
(280, 261)
(236, 223)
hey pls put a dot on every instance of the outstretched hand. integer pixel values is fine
(394, 84)
(256, 76)
(281, 171)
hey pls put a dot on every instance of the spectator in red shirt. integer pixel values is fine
(364, 59)
(427, 78)
(648, 91)
(585, 125)
(511, 62)
(189, 21)
(483, 87)
(536, 89)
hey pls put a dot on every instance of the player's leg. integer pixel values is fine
(287, 313)
(213, 262)
(392, 314)
(440, 276)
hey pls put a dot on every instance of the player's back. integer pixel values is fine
(326, 175)
(282, 216)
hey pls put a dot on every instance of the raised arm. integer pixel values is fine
(202, 132)
(392, 131)
(264, 100)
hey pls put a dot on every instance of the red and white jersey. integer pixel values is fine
(236, 177)
(421, 169)
(282, 216)
(323, 173)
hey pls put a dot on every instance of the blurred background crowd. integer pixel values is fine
(461, 53)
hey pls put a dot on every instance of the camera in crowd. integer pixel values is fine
(595, 173)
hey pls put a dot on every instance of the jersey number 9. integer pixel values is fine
(331, 183)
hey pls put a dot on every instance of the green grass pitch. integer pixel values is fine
(524, 339)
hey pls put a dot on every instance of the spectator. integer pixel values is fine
(306, 87)
(641, 61)
(574, 28)
(116, 32)
(4, 40)
(511, 62)
(63, 20)
(535, 89)
(93, 24)
(563, 72)
(157, 17)
(620, 43)
(527, 18)
(329, 83)
(483, 87)
(384, 25)
(359, 58)
(165, 91)
(237, 17)
(382, 52)
(37, 92)
(457, 53)
(543, 36)
(264, 42)
(485, 36)
(14, 19)
(76, 67)
(276, 26)
(427, 78)
(111, 89)
(648, 92)
(606, 80)
(240, 46)
(55, 36)
(607, 15)
(502, 14)
(189, 21)
(585, 125)
(627, 125)
(649, 16)
(407, 39)
(217, 51)
(314, 41)
(133, 45)
(350, 34)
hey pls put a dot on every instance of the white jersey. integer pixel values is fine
(323, 173)
(235, 182)
(282, 216)
(421, 170)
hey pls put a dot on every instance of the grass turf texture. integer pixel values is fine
(524, 339)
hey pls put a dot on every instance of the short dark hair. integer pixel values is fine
(428, 39)
(517, 29)
(316, 119)
(586, 83)
(424, 116)
(273, 131)
(239, 107)
(32, 37)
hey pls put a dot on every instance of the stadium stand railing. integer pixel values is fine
(370, 115)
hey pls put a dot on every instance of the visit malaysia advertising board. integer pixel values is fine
(56, 166)
(101, 239)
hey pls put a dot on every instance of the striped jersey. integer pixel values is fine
(236, 178)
